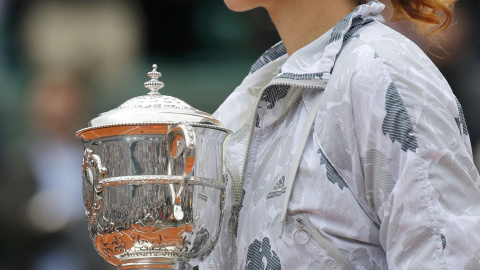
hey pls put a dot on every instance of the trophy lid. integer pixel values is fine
(152, 109)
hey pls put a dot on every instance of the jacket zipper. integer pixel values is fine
(324, 243)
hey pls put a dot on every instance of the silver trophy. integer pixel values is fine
(153, 181)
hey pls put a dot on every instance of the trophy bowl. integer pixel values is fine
(153, 181)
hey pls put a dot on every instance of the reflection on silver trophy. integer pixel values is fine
(153, 181)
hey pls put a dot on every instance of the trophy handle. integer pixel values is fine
(183, 141)
(93, 173)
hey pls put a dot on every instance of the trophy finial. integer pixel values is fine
(154, 84)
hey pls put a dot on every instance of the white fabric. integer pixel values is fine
(386, 177)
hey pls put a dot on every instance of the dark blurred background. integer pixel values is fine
(63, 62)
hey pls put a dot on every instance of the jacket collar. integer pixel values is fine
(316, 60)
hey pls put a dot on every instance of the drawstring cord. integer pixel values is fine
(296, 159)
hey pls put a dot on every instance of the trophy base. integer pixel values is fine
(174, 263)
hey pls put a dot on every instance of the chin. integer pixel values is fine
(243, 5)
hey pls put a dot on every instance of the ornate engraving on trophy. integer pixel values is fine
(93, 173)
(87, 188)
(140, 242)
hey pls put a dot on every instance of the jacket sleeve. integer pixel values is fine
(419, 176)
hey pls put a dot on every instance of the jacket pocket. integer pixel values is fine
(303, 223)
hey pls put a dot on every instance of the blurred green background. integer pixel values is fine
(63, 62)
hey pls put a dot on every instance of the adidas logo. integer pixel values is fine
(278, 189)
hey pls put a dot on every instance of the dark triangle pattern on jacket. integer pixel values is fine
(269, 56)
(332, 174)
(307, 76)
(461, 118)
(339, 28)
(271, 95)
(257, 251)
(274, 93)
(397, 122)
(357, 22)
(344, 24)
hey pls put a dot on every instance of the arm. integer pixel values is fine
(418, 171)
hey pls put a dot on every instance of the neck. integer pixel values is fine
(300, 22)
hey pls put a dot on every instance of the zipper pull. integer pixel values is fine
(301, 236)
(300, 223)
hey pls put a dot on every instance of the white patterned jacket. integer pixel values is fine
(386, 180)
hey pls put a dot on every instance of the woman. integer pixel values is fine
(349, 150)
